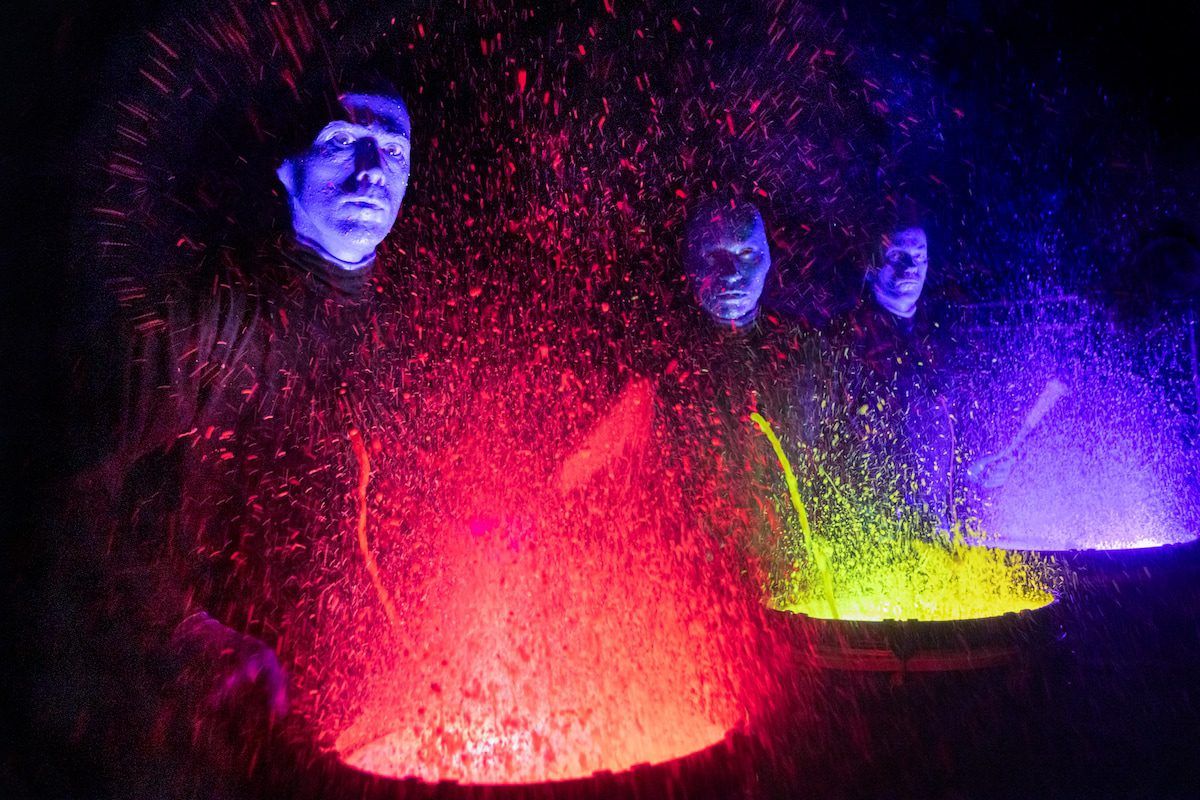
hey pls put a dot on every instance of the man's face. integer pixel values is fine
(346, 188)
(727, 259)
(901, 277)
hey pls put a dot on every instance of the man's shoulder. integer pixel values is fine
(212, 305)
(229, 280)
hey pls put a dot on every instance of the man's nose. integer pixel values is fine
(368, 166)
(726, 268)
(730, 277)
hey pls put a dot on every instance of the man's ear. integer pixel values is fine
(286, 172)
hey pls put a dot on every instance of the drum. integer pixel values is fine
(724, 770)
(1133, 604)
(902, 647)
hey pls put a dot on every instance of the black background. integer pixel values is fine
(1129, 72)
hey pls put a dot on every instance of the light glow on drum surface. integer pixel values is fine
(556, 628)
(869, 565)
(927, 581)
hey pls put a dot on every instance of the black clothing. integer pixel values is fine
(719, 376)
(238, 399)
(725, 373)
(227, 482)
(890, 422)
(1167, 354)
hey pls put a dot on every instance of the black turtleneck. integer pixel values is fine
(326, 277)
(223, 478)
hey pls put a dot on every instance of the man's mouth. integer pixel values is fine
(373, 203)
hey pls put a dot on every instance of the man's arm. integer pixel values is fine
(173, 358)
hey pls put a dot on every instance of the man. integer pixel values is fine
(239, 390)
(1156, 302)
(739, 353)
(1105, 452)
(344, 193)
(733, 359)
(897, 284)
(888, 393)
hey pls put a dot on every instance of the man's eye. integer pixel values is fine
(747, 253)
(393, 149)
(341, 139)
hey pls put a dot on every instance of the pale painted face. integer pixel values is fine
(347, 187)
(727, 259)
(901, 277)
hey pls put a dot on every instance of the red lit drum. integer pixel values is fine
(722, 770)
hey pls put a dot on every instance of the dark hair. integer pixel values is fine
(906, 212)
(727, 205)
(293, 121)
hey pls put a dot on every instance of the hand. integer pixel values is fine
(992, 472)
(225, 669)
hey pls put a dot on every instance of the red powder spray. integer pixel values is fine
(566, 620)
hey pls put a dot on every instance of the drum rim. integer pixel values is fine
(325, 772)
(926, 624)
(1114, 552)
